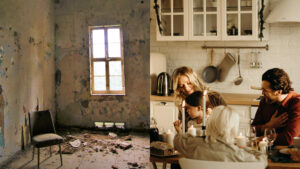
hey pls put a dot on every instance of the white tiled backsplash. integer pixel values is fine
(284, 52)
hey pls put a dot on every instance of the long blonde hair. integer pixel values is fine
(192, 76)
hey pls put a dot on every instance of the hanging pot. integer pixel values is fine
(210, 73)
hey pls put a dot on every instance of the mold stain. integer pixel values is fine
(2, 105)
(84, 103)
(47, 55)
(57, 77)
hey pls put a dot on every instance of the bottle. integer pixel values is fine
(234, 30)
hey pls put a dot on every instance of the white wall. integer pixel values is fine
(284, 52)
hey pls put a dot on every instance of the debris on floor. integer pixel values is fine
(75, 143)
(95, 148)
(112, 135)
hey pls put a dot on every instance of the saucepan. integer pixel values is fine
(210, 73)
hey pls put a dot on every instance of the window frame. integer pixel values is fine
(107, 59)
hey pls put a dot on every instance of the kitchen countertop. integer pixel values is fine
(230, 98)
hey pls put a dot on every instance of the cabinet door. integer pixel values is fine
(240, 20)
(164, 114)
(204, 20)
(174, 20)
(244, 113)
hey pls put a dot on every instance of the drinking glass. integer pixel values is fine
(270, 134)
(251, 134)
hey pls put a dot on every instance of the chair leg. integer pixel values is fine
(50, 152)
(61, 162)
(38, 158)
(32, 152)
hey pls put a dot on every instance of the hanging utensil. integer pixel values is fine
(239, 79)
(210, 73)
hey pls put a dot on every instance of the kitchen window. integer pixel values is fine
(106, 60)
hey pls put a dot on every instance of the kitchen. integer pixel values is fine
(283, 51)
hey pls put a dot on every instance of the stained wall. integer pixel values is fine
(75, 105)
(26, 67)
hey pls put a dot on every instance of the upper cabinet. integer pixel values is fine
(204, 20)
(208, 20)
(174, 19)
(240, 20)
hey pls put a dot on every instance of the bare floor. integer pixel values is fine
(96, 151)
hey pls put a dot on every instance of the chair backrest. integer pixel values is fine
(40, 122)
(200, 164)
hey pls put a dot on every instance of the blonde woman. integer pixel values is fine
(185, 82)
(218, 145)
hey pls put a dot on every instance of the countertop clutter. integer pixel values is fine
(230, 98)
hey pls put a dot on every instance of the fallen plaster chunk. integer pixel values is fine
(127, 138)
(113, 150)
(68, 150)
(85, 144)
(112, 135)
(86, 135)
(114, 167)
(125, 145)
(133, 164)
(69, 137)
(75, 143)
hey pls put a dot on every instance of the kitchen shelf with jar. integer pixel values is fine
(209, 20)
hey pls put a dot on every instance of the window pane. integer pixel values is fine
(211, 25)
(178, 6)
(115, 68)
(178, 25)
(165, 6)
(99, 68)
(246, 24)
(98, 43)
(198, 25)
(232, 24)
(232, 5)
(113, 35)
(114, 49)
(99, 83)
(115, 82)
(198, 5)
(99, 51)
(211, 5)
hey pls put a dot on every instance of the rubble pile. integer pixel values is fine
(93, 143)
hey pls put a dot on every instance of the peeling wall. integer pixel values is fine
(75, 106)
(26, 67)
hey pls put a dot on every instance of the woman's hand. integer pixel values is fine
(178, 126)
(208, 111)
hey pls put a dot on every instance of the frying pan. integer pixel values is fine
(210, 73)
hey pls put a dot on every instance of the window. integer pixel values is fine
(106, 60)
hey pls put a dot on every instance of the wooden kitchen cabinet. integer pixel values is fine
(193, 20)
(164, 113)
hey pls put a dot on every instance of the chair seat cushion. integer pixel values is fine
(43, 140)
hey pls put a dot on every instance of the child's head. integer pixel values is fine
(194, 104)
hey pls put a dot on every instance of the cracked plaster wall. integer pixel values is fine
(74, 104)
(26, 67)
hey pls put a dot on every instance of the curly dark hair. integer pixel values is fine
(278, 79)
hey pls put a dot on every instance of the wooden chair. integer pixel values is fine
(42, 132)
(200, 164)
